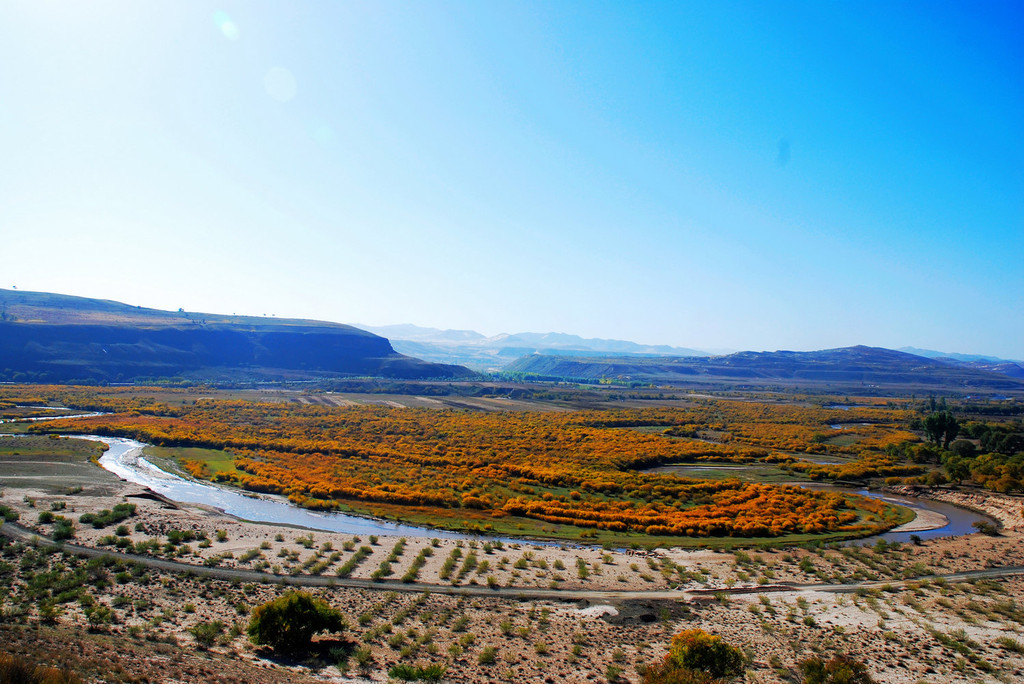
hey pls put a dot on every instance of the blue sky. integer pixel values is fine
(746, 175)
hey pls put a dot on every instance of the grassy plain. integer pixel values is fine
(750, 473)
(172, 459)
(53, 463)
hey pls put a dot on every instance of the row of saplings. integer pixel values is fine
(287, 624)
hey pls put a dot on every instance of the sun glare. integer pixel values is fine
(226, 26)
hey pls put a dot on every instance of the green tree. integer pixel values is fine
(288, 623)
(941, 428)
(925, 453)
(99, 616)
(956, 468)
(964, 448)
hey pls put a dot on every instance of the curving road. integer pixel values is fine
(20, 533)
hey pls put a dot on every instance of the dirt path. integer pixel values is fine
(17, 532)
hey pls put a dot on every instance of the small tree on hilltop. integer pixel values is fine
(288, 623)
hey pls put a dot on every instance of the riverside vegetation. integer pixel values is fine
(559, 474)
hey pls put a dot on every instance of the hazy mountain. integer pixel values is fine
(1014, 369)
(932, 354)
(59, 338)
(845, 366)
(471, 349)
(415, 333)
(1010, 368)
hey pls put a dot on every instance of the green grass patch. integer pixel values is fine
(171, 459)
(32, 446)
(844, 439)
(750, 472)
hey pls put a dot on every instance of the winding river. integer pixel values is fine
(959, 521)
(125, 458)
(951, 521)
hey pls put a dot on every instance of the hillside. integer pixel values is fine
(850, 366)
(1015, 369)
(471, 349)
(58, 338)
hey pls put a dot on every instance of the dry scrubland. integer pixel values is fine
(479, 609)
(917, 630)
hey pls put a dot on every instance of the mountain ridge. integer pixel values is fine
(856, 365)
(955, 356)
(46, 337)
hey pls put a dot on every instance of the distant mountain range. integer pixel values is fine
(63, 339)
(473, 350)
(59, 338)
(842, 368)
(559, 355)
(1015, 369)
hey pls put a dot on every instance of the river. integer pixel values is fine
(125, 459)
(958, 521)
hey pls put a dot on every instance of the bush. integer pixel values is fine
(985, 527)
(63, 529)
(288, 623)
(8, 513)
(17, 669)
(207, 633)
(696, 657)
(410, 673)
(107, 517)
(841, 669)
(695, 649)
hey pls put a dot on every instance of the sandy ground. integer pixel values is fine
(923, 520)
(285, 550)
(1008, 510)
(919, 631)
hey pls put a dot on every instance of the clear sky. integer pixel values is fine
(747, 175)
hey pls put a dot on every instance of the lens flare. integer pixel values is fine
(226, 26)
